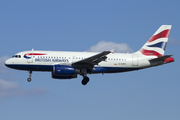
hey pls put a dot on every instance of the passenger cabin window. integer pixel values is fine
(16, 56)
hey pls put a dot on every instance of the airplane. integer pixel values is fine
(67, 65)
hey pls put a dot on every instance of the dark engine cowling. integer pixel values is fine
(64, 72)
(64, 76)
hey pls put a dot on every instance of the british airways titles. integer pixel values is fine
(50, 60)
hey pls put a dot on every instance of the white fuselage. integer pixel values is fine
(44, 60)
(67, 65)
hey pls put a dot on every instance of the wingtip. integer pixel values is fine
(112, 50)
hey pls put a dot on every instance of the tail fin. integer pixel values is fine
(156, 45)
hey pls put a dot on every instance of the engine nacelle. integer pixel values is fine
(64, 72)
(64, 76)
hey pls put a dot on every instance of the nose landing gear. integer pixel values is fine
(30, 74)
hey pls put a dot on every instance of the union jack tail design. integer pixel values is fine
(156, 45)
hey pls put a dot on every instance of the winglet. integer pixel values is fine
(112, 50)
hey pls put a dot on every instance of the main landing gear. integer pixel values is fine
(29, 79)
(85, 80)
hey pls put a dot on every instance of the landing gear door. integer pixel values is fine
(134, 60)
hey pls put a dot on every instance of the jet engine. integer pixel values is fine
(64, 72)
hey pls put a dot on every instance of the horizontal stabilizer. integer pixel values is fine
(160, 58)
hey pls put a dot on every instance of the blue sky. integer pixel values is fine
(152, 93)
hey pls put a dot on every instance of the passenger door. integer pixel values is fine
(134, 60)
(30, 57)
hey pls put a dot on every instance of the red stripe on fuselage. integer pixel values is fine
(163, 34)
(35, 54)
(150, 53)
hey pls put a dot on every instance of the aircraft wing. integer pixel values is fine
(91, 61)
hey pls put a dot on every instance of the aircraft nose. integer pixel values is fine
(7, 62)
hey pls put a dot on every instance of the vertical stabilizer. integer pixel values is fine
(156, 45)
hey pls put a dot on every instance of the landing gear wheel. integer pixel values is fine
(29, 79)
(85, 80)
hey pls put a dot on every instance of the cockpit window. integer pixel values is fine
(16, 56)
